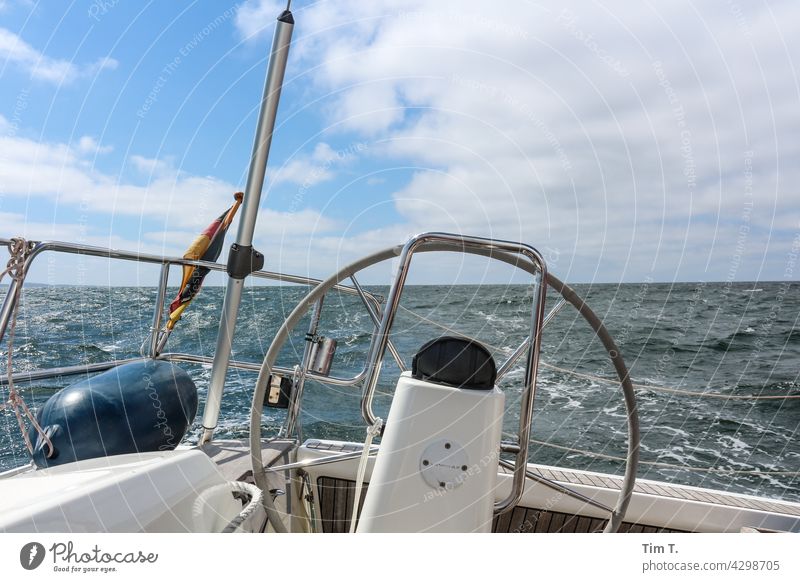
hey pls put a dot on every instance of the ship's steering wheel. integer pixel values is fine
(617, 514)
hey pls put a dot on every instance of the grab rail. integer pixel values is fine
(38, 247)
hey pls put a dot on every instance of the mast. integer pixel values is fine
(243, 259)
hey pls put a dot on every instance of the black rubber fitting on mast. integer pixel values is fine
(243, 261)
(286, 16)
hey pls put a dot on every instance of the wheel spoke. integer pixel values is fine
(375, 316)
(512, 359)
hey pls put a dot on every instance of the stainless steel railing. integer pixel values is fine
(36, 248)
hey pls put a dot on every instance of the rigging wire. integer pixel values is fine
(666, 465)
(651, 387)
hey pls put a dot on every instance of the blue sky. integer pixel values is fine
(625, 142)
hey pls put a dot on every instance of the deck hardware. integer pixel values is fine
(279, 393)
(443, 464)
(322, 351)
(243, 261)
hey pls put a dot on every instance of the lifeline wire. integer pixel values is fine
(654, 388)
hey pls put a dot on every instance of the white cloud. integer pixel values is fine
(16, 224)
(318, 167)
(151, 166)
(307, 170)
(640, 139)
(60, 172)
(66, 269)
(629, 139)
(64, 181)
(88, 145)
(254, 19)
(6, 4)
(272, 227)
(41, 67)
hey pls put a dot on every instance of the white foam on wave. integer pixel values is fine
(675, 431)
(730, 442)
(775, 482)
(683, 460)
(614, 411)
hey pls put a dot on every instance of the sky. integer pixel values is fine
(626, 141)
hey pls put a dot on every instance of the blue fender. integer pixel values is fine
(137, 407)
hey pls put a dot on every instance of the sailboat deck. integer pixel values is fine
(336, 500)
(658, 489)
(336, 494)
(233, 456)
(566, 476)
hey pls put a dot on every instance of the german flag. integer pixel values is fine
(206, 247)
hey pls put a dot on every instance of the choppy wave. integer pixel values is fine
(728, 340)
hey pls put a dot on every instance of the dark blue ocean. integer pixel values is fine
(691, 348)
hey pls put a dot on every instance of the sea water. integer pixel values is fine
(707, 358)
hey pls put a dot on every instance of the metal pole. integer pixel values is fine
(293, 416)
(14, 287)
(247, 223)
(8, 307)
(158, 311)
